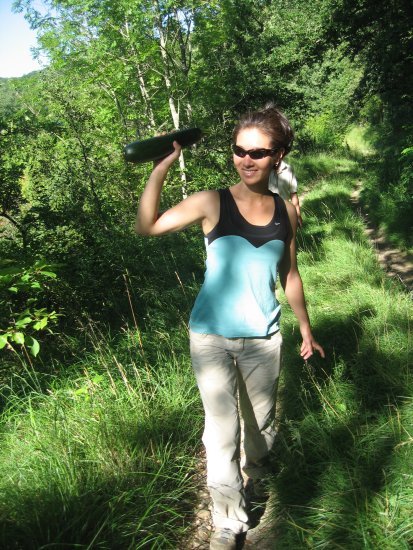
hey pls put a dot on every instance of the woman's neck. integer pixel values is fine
(251, 192)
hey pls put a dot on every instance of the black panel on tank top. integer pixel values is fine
(231, 222)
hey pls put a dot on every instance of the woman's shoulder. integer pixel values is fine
(206, 201)
(204, 195)
(208, 196)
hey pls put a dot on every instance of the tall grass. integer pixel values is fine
(387, 192)
(104, 459)
(343, 474)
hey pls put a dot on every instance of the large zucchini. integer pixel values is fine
(160, 146)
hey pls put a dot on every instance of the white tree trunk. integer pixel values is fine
(142, 85)
(172, 106)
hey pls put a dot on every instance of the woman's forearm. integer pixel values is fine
(294, 292)
(148, 208)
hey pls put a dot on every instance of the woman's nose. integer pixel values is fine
(248, 159)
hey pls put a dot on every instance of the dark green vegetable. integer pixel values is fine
(160, 146)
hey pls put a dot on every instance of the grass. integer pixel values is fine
(346, 424)
(359, 139)
(387, 188)
(102, 454)
(106, 458)
(311, 169)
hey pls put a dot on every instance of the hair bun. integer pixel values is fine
(272, 121)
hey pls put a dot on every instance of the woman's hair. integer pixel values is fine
(272, 122)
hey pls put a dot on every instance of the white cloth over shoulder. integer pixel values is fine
(283, 181)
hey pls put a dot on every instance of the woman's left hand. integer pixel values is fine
(308, 347)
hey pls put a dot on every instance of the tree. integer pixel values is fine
(379, 33)
(14, 127)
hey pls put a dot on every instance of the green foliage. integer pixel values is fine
(114, 74)
(378, 35)
(129, 405)
(22, 290)
(13, 124)
(320, 132)
(124, 70)
(371, 111)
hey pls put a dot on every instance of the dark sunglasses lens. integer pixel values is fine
(255, 154)
(239, 151)
(258, 154)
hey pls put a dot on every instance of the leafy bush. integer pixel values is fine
(22, 291)
(320, 132)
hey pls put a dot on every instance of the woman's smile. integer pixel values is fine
(249, 171)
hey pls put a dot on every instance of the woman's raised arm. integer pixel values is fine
(194, 209)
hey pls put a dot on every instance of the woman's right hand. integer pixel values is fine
(166, 162)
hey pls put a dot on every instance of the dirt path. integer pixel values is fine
(396, 263)
(259, 537)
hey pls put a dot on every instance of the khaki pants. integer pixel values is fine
(225, 369)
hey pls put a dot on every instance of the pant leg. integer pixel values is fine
(258, 368)
(215, 372)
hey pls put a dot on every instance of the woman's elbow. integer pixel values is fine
(290, 278)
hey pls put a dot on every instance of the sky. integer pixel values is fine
(16, 39)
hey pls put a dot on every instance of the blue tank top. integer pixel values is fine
(237, 298)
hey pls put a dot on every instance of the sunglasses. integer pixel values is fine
(255, 154)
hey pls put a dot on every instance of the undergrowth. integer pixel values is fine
(342, 476)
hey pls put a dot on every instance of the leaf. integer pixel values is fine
(18, 337)
(14, 289)
(39, 325)
(23, 322)
(49, 274)
(3, 340)
(35, 347)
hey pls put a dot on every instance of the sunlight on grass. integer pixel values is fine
(359, 140)
(346, 422)
(316, 166)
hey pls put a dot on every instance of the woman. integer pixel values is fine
(234, 326)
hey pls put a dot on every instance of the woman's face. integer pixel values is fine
(254, 171)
